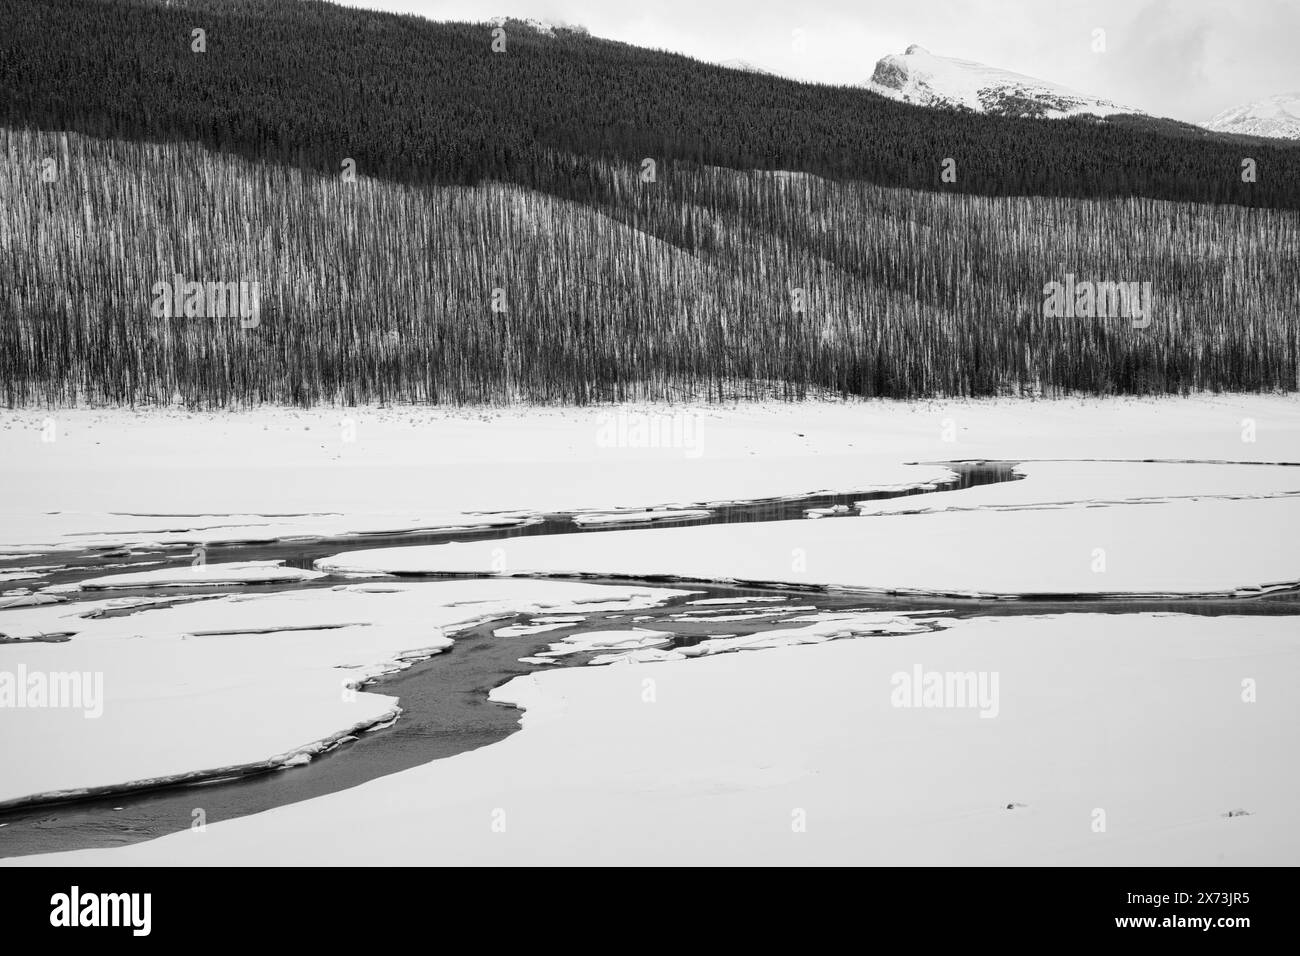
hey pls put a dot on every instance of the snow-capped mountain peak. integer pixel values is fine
(919, 76)
(1276, 116)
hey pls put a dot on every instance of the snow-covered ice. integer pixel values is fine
(690, 754)
(1140, 717)
(239, 681)
(1181, 547)
(640, 517)
(236, 572)
(130, 477)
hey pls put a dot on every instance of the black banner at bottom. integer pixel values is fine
(1164, 907)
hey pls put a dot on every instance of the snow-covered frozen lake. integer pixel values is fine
(303, 616)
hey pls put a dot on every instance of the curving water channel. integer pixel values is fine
(444, 699)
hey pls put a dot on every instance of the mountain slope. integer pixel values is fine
(313, 84)
(1276, 117)
(371, 291)
(918, 76)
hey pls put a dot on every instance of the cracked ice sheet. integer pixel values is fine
(637, 637)
(1088, 483)
(523, 630)
(69, 531)
(190, 575)
(736, 600)
(1177, 548)
(745, 614)
(1140, 715)
(177, 704)
(600, 519)
(27, 623)
(838, 627)
(274, 461)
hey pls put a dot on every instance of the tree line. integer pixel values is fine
(708, 283)
(311, 84)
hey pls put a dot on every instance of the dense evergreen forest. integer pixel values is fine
(310, 84)
(715, 284)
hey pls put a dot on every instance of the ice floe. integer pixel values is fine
(236, 572)
(232, 684)
(639, 517)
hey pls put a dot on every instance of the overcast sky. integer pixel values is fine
(1187, 59)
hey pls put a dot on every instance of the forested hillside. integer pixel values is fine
(311, 84)
(717, 283)
(502, 241)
